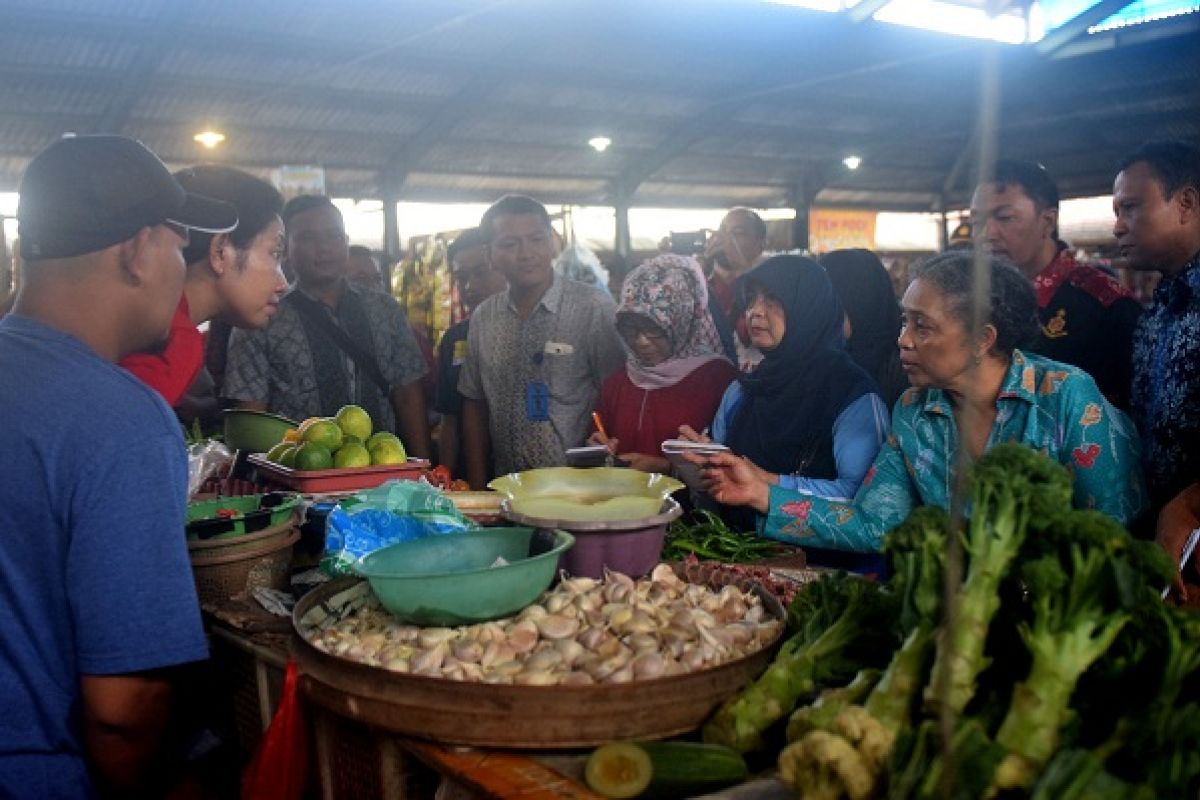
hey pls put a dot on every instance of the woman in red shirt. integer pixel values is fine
(674, 372)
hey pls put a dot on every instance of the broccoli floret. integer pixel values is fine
(1074, 623)
(917, 549)
(1011, 484)
(844, 624)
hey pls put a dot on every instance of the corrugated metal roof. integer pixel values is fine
(727, 103)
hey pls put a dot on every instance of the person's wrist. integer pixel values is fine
(762, 497)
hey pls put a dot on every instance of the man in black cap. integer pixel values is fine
(96, 593)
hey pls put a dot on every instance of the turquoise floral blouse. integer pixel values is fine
(1052, 407)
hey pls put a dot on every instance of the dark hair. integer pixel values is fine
(257, 202)
(1033, 179)
(305, 202)
(468, 239)
(511, 205)
(1175, 164)
(1012, 307)
(756, 222)
(361, 250)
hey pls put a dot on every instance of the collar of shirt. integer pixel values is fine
(1019, 384)
(1055, 273)
(1175, 291)
(551, 300)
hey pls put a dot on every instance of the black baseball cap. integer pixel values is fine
(86, 193)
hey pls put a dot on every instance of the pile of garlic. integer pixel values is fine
(582, 632)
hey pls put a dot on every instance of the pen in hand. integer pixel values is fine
(600, 427)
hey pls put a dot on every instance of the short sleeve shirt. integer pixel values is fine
(569, 343)
(94, 571)
(275, 365)
(451, 355)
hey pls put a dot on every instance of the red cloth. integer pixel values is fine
(1065, 269)
(172, 371)
(643, 420)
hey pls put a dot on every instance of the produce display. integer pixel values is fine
(744, 576)
(582, 632)
(662, 769)
(343, 441)
(709, 537)
(1059, 669)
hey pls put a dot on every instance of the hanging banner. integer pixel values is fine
(294, 181)
(839, 228)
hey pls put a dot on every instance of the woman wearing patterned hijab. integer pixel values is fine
(674, 371)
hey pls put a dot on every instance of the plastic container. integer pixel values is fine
(224, 568)
(254, 431)
(250, 513)
(602, 494)
(630, 547)
(347, 479)
(454, 579)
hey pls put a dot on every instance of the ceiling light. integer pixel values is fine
(600, 143)
(209, 139)
(852, 162)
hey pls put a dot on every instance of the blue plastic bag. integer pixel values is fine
(397, 511)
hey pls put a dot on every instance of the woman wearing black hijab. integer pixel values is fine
(807, 417)
(863, 286)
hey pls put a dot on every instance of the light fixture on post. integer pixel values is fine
(599, 143)
(209, 138)
(852, 162)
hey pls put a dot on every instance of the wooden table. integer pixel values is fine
(353, 761)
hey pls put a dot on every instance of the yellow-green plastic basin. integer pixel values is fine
(462, 578)
(254, 431)
(602, 494)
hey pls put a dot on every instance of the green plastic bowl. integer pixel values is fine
(254, 431)
(449, 579)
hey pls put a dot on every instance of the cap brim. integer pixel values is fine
(204, 214)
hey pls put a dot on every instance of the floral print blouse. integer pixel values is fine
(1052, 407)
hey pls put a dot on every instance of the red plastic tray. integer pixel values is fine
(315, 481)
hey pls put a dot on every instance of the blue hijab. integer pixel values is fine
(785, 422)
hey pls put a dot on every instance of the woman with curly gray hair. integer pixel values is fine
(971, 389)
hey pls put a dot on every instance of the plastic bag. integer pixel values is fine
(280, 764)
(206, 460)
(397, 511)
(581, 264)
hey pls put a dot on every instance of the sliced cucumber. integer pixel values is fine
(618, 770)
(663, 769)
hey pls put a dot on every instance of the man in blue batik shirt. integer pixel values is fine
(1156, 198)
(96, 593)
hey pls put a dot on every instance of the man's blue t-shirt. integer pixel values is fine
(94, 572)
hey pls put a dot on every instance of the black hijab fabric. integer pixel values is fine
(801, 386)
(864, 288)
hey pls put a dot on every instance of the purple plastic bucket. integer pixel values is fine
(632, 547)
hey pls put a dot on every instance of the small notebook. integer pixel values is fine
(687, 446)
(593, 455)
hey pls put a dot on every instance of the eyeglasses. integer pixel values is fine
(630, 333)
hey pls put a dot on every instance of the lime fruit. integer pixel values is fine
(351, 455)
(288, 459)
(388, 451)
(312, 455)
(354, 421)
(324, 432)
(304, 426)
(276, 452)
(382, 436)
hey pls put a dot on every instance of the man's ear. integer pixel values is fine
(129, 258)
(1051, 217)
(220, 254)
(1188, 199)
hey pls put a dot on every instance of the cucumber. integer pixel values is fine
(662, 769)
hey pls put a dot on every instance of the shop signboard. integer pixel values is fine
(839, 228)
